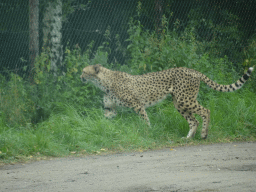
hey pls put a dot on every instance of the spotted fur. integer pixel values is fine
(141, 91)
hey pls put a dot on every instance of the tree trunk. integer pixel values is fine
(33, 34)
(52, 34)
(158, 15)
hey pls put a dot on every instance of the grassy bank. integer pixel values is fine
(68, 132)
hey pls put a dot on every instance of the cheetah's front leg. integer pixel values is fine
(142, 112)
(109, 106)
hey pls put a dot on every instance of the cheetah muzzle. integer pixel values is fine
(141, 91)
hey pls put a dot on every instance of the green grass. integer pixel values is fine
(68, 132)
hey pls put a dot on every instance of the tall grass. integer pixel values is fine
(68, 131)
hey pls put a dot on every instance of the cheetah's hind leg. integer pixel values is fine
(188, 115)
(143, 114)
(193, 123)
(205, 114)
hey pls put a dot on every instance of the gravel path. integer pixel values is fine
(217, 167)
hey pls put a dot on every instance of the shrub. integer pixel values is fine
(16, 107)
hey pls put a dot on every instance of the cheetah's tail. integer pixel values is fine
(231, 87)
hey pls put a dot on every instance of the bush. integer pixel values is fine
(16, 106)
(67, 88)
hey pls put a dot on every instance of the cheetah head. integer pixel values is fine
(90, 72)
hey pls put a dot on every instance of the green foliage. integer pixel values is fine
(153, 52)
(148, 51)
(16, 106)
(250, 60)
(218, 36)
(53, 91)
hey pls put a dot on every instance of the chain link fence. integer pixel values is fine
(231, 22)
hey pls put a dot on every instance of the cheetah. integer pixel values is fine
(142, 91)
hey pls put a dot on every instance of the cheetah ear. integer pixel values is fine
(97, 68)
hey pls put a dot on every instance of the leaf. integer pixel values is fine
(75, 70)
(48, 68)
(129, 46)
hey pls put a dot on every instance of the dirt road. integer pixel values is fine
(218, 167)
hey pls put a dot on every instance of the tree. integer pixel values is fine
(33, 33)
(52, 33)
(158, 14)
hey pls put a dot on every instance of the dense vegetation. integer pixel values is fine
(55, 116)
